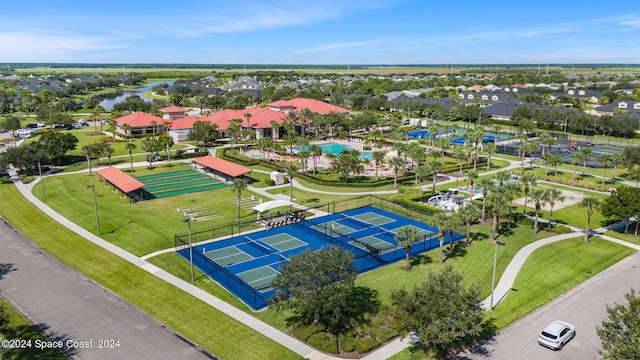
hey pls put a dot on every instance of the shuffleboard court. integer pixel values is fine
(178, 183)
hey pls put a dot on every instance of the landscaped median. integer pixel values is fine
(191, 317)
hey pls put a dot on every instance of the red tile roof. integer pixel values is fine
(139, 119)
(120, 180)
(186, 122)
(316, 106)
(173, 109)
(223, 166)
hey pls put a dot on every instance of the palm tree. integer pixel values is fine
(634, 174)
(495, 129)
(440, 221)
(487, 185)
(96, 113)
(472, 176)
(401, 148)
(521, 138)
(238, 185)
(422, 171)
(167, 142)
(126, 128)
(108, 151)
(304, 155)
(512, 190)
(433, 129)
(405, 238)
(539, 198)
(616, 160)
(148, 146)
(443, 144)
(605, 159)
(576, 158)
(87, 150)
(130, 147)
(555, 160)
(528, 180)
(547, 141)
(434, 166)
(153, 127)
(496, 201)
(316, 152)
(378, 158)
(553, 195)
(502, 177)
(452, 223)
(291, 171)
(591, 203)
(490, 149)
(291, 140)
(531, 148)
(460, 155)
(469, 214)
(396, 163)
(586, 154)
(265, 143)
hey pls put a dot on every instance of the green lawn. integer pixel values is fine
(142, 227)
(20, 328)
(184, 313)
(541, 280)
(618, 234)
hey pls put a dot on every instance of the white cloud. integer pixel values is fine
(634, 24)
(44, 45)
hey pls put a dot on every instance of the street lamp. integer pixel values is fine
(41, 181)
(493, 279)
(188, 221)
(95, 205)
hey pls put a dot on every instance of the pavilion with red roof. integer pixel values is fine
(121, 181)
(223, 168)
(173, 112)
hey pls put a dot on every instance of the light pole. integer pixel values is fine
(41, 181)
(188, 221)
(566, 122)
(95, 205)
(493, 279)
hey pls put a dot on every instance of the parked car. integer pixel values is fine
(556, 335)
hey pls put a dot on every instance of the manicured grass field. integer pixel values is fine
(151, 223)
(626, 237)
(540, 280)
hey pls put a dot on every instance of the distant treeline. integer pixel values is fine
(298, 66)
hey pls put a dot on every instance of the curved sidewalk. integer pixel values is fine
(267, 330)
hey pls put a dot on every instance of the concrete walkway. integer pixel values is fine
(281, 338)
(503, 287)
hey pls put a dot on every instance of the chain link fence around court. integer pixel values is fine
(245, 226)
(368, 251)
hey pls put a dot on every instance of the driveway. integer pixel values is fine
(67, 306)
(584, 306)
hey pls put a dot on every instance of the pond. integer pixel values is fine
(109, 100)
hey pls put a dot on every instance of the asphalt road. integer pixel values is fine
(583, 306)
(78, 312)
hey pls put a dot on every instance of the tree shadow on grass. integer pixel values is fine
(419, 260)
(477, 236)
(459, 250)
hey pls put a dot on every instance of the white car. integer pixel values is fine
(556, 335)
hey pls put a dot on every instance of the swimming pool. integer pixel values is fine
(336, 149)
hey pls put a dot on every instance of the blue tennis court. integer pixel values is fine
(245, 265)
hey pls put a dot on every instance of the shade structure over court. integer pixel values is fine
(121, 180)
(271, 205)
(223, 167)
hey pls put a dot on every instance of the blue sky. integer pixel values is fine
(321, 31)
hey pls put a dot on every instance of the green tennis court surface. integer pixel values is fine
(283, 242)
(259, 278)
(228, 256)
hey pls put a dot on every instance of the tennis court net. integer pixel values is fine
(257, 245)
(361, 225)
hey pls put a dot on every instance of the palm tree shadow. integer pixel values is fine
(5, 269)
(419, 260)
(476, 236)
